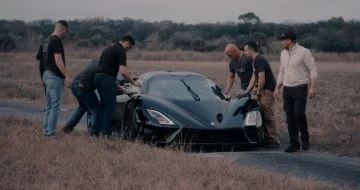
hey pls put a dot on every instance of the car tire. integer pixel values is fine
(130, 130)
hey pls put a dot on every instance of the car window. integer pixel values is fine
(176, 88)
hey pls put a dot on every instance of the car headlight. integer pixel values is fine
(253, 118)
(160, 118)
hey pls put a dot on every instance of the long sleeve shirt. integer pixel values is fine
(297, 67)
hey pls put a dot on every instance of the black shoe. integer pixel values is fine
(305, 146)
(68, 129)
(273, 146)
(292, 149)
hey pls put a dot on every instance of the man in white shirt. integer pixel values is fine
(298, 73)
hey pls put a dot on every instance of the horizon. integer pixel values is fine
(186, 11)
(177, 22)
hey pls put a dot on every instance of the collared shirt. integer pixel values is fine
(297, 67)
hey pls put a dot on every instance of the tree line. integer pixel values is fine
(332, 35)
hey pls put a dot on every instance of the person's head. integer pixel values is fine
(251, 49)
(233, 52)
(287, 38)
(61, 28)
(127, 42)
(242, 49)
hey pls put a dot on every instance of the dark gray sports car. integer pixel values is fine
(188, 109)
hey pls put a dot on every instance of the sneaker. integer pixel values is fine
(68, 129)
(292, 149)
(305, 146)
(272, 146)
(50, 136)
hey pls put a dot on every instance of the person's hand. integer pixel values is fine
(241, 94)
(311, 92)
(137, 83)
(277, 93)
(256, 97)
(68, 81)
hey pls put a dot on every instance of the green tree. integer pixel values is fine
(249, 18)
(7, 42)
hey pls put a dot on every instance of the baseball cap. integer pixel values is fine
(287, 35)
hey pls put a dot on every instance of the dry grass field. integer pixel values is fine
(333, 115)
(28, 161)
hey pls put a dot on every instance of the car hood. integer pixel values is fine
(200, 114)
(205, 111)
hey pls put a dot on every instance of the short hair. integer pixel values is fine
(242, 47)
(63, 23)
(253, 45)
(128, 38)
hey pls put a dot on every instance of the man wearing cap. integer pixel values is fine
(240, 64)
(298, 73)
(263, 85)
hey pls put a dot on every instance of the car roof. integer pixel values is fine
(146, 77)
(149, 75)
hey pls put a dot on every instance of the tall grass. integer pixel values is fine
(29, 161)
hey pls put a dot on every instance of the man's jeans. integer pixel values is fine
(88, 102)
(106, 86)
(54, 86)
(295, 105)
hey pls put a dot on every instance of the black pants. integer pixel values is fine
(295, 105)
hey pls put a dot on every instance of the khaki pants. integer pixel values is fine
(272, 134)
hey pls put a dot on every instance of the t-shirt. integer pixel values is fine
(53, 46)
(260, 64)
(110, 60)
(86, 76)
(244, 70)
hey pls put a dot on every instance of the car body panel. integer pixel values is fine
(208, 121)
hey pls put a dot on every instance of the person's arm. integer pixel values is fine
(58, 49)
(61, 66)
(310, 64)
(125, 73)
(122, 89)
(250, 87)
(39, 55)
(261, 82)
(229, 82)
(279, 81)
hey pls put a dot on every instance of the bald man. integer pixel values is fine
(239, 64)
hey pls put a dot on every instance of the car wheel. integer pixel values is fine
(130, 130)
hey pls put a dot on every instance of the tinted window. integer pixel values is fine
(173, 87)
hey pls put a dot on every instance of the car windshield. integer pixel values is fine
(184, 88)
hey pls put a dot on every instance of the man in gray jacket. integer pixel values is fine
(298, 73)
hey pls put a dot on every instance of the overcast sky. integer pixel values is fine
(188, 11)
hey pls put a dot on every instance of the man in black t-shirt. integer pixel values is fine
(112, 61)
(240, 64)
(263, 85)
(54, 76)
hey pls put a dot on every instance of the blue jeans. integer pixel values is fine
(106, 86)
(54, 90)
(88, 102)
